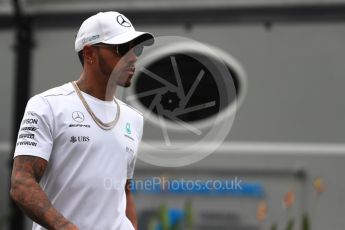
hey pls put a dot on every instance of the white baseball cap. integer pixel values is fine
(109, 28)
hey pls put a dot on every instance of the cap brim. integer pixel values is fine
(138, 37)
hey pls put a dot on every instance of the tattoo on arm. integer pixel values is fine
(29, 196)
(30, 164)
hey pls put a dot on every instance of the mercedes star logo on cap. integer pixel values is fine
(122, 21)
(78, 116)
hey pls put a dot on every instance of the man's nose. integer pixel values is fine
(131, 57)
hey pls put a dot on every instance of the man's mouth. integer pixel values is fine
(130, 69)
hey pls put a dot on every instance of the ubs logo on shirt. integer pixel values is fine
(75, 139)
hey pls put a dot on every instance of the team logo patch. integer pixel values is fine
(128, 128)
(123, 21)
(78, 116)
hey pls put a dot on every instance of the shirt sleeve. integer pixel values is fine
(132, 161)
(35, 133)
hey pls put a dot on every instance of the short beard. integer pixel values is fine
(127, 84)
(103, 67)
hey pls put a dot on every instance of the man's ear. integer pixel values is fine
(89, 54)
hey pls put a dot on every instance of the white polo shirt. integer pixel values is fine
(87, 166)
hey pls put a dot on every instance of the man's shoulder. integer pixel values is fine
(44, 97)
(62, 90)
(130, 108)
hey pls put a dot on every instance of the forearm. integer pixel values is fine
(131, 211)
(30, 197)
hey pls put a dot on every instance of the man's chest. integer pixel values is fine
(75, 129)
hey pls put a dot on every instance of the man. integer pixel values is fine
(77, 143)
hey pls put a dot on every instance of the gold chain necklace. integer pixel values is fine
(101, 124)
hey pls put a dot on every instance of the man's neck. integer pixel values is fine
(96, 88)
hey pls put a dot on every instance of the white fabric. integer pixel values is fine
(87, 166)
(107, 27)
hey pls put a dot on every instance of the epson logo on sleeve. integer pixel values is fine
(30, 136)
(30, 121)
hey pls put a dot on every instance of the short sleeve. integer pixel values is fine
(132, 161)
(35, 133)
(131, 166)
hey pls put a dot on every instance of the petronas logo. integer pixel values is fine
(128, 128)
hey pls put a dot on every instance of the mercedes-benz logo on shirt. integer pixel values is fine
(122, 21)
(78, 116)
